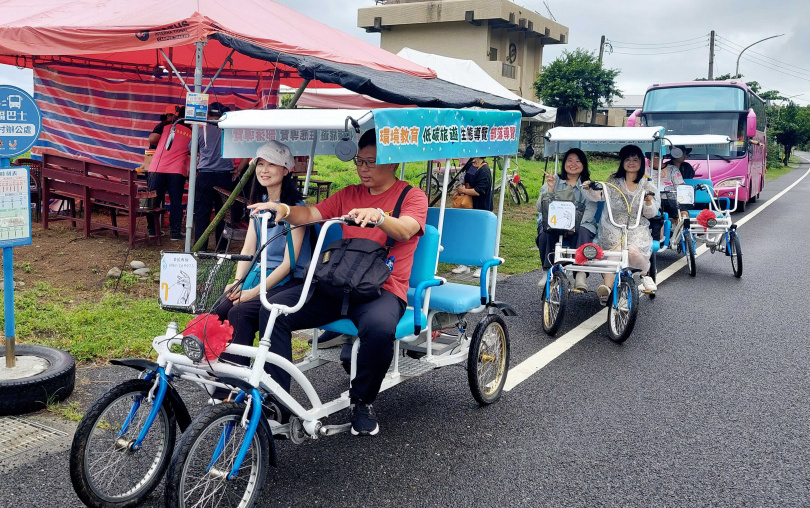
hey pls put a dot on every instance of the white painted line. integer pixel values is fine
(532, 365)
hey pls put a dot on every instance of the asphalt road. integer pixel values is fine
(704, 405)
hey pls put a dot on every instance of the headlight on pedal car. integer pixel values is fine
(711, 223)
(193, 348)
(590, 252)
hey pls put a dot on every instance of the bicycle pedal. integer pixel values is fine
(331, 430)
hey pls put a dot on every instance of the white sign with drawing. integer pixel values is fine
(686, 194)
(562, 215)
(178, 279)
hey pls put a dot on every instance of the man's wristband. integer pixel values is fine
(382, 216)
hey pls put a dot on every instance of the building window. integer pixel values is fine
(493, 54)
(508, 71)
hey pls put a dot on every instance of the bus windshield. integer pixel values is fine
(695, 98)
(726, 124)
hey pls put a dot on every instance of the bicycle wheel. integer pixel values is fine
(435, 185)
(488, 359)
(524, 194)
(195, 479)
(104, 470)
(513, 193)
(554, 303)
(689, 250)
(735, 252)
(622, 313)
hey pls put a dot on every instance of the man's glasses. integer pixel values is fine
(369, 163)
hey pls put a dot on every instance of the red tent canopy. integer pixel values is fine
(123, 31)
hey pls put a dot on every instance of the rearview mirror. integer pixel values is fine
(751, 129)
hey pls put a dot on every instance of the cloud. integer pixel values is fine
(653, 41)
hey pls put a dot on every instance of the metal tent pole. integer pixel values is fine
(195, 137)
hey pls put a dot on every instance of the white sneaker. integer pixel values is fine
(603, 292)
(579, 282)
(461, 269)
(648, 283)
(477, 272)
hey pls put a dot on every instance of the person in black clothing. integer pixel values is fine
(686, 169)
(165, 119)
(478, 180)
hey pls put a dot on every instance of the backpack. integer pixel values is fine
(355, 269)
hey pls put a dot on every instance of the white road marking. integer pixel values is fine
(531, 365)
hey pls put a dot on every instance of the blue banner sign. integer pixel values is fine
(20, 121)
(417, 134)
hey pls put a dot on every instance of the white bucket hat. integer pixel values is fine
(276, 153)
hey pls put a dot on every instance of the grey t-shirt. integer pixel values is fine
(210, 145)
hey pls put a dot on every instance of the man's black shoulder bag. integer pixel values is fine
(355, 269)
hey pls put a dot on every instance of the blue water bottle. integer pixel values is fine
(390, 263)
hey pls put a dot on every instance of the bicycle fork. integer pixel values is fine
(162, 385)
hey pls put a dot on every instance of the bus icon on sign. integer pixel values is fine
(15, 101)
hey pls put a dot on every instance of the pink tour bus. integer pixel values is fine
(728, 108)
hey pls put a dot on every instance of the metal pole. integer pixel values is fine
(711, 56)
(737, 70)
(596, 100)
(195, 138)
(8, 287)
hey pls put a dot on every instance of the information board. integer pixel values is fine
(196, 106)
(178, 280)
(20, 121)
(15, 207)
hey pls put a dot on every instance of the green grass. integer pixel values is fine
(778, 170)
(115, 327)
(118, 326)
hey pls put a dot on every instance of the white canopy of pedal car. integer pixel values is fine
(301, 129)
(602, 139)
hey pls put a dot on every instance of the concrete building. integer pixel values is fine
(503, 38)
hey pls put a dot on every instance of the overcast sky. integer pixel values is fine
(659, 52)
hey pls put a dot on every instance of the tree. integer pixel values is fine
(753, 85)
(576, 80)
(791, 128)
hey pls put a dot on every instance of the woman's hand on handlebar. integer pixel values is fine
(277, 209)
(365, 216)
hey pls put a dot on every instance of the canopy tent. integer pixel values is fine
(196, 37)
(461, 72)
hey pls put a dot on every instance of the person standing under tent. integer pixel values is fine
(212, 171)
(168, 172)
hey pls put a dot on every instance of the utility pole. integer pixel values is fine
(711, 56)
(596, 100)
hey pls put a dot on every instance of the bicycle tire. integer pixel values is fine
(89, 489)
(524, 194)
(513, 193)
(223, 423)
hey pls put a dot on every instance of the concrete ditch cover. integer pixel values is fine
(19, 435)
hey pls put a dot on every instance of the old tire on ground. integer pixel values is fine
(34, 393)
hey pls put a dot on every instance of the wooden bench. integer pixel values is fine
(97, 186)
(317, 186)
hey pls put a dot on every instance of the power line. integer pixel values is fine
(674, 46)
(770, 59)
(775, 69)
(656, 54)
(659, 43)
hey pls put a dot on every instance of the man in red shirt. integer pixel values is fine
(372, 201)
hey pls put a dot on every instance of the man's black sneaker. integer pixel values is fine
(178, 236)
(364, 420)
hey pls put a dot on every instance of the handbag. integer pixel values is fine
(463, 200)
(355, 269)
